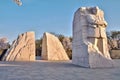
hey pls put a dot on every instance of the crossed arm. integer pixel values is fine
(92, 20)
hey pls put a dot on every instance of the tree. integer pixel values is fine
(108, 35)
(67, 44)
(38, 44)
(113, 39)
(114, 34)
(4, 45)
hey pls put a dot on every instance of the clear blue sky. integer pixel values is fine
(50, 16)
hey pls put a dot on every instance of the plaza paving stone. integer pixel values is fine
(56, 70)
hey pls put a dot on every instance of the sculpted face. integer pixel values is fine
(95, 10)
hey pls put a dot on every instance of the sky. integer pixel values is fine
(50, 16)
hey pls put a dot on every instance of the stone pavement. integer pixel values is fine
(60, 70)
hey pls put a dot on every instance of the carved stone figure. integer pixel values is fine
(90, 47)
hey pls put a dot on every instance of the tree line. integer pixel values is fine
(113, 43)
